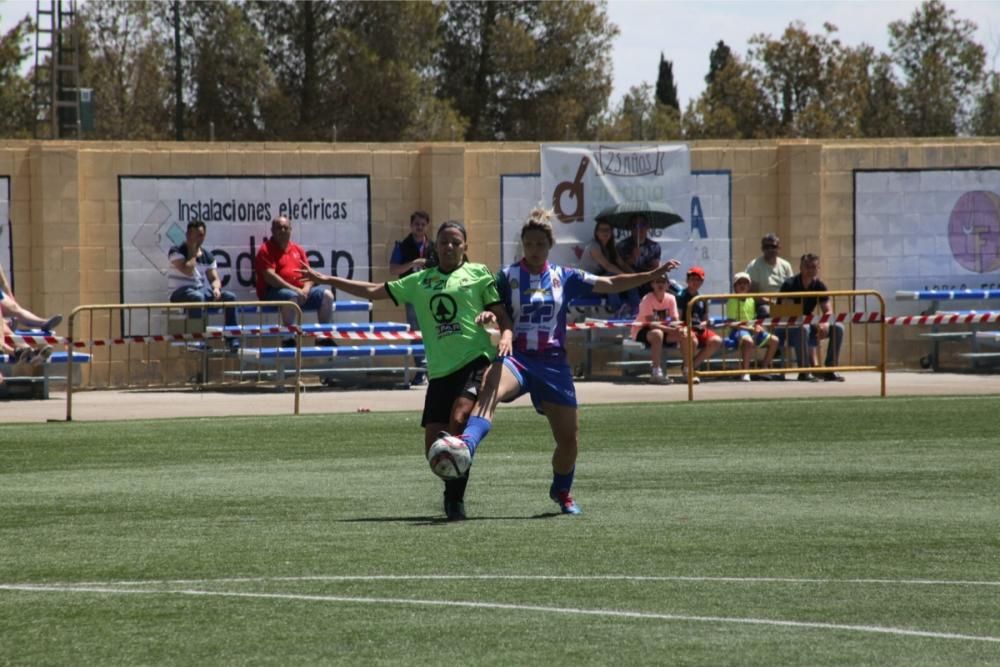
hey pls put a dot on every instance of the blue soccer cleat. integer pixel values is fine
(565, 501)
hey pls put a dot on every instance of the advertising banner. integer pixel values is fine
(926, 229)
(330, 215)
(703, 237)
(580, 181)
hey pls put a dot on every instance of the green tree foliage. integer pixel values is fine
(986, 117)
(123, 60)
(16, 111)
(384, 59)
(526, 70)
(732, 106)
(311, 70)
(362, 68)
(224, 69)
(302, 46)
(815, 83)
(881, 113)
(718, 58)
(666, 88)
(640, 117)
(941, 64)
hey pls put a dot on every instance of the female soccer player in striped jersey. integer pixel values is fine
(448, 299)
(537, 295)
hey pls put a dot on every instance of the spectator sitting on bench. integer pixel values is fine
(194, 276)
(768, 271)
(639, 253)
(22, 316)
(277, 267)
(708, 341)
(807, 280)
(747, 337)
(657, 322)
(600, 258)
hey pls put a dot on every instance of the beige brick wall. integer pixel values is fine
(64, 197)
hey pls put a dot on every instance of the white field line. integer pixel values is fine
(535, 577)
(513, 607)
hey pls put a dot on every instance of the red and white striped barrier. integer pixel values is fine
(944, 318)
(36, 341)
(855, 318)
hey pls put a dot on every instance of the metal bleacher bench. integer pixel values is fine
(279, 362)
(635, 358)
(178, 320)
(37, 386)
(330, 358)
(977, 339)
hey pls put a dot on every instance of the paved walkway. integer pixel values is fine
(108, 405)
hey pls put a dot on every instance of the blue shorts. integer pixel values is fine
(759, 339)
(547, 378)
(313, 301)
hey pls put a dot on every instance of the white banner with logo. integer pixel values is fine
(331, 219)
(580, 181)
(926, 229)
(703, 200)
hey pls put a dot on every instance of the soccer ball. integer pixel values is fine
(449, 457)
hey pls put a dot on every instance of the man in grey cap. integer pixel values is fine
(768, 271)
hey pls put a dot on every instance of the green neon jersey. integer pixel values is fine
(446, 306)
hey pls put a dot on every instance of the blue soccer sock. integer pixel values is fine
(475, 430)
(562, 482)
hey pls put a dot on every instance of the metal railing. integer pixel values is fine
(135, 324)
(792, 312)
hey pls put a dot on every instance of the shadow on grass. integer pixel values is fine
(436, 520)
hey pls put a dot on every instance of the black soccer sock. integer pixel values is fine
(454, 489)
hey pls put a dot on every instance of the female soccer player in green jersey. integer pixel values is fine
(447, 299)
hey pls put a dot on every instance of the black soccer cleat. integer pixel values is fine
(454, 510)
(454, 496)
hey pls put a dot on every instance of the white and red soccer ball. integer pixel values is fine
(449, 457)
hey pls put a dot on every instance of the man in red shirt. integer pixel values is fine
(278, 277)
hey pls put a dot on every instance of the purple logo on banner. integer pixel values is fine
(974, 231)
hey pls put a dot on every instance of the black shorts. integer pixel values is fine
(444, 391)
(641, 337)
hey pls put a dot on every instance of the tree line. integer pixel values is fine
(348, 70)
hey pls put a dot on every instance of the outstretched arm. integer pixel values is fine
(497, 314)
(624, 281)
(366, 290)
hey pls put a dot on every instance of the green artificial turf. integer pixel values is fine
(801, 532)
